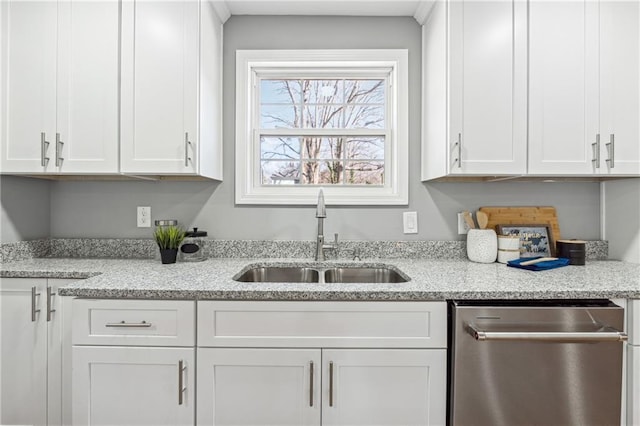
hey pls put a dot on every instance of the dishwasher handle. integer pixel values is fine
(611, 335)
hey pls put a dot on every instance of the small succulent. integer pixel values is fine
(168, 237)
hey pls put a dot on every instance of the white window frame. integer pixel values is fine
(249, 63)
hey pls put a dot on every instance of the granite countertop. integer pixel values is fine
(429, 280)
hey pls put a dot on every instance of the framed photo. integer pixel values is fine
(535, 240)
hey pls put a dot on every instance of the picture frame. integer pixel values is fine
(535, 240)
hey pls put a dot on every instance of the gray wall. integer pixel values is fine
(622, 219)
(25, 209)
(107, 209)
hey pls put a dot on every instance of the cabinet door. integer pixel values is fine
(563, 87)
(23, 356)
(620, 87)
(384, 387)
(488, 87)
(258, 387)
(58, 346)
(160, 48)
(633, 385)
(88, 72)
(133, 386)
(28, 79)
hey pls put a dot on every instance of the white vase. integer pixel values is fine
(482, 245)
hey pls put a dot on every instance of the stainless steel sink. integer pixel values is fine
(362, 275)
(274, 274)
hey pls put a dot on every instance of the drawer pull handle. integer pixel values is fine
(331, 384)
(44, 145)
(33, 304)
(181, 387)
(50, 295)
(123, 324)
(311, 384)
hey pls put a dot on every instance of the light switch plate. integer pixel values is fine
(410, 222)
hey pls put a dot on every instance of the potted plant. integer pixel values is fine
(168, 239)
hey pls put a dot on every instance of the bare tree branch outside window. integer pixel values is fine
(326, 157)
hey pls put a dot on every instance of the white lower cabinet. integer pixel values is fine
(31, 336)
(119, 377)
(633, 363)
(133, 386)
(384, 386)
(321, 363)
(258, 386)
(250, 386)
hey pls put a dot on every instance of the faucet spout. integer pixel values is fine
(321, 214)
(321, 210)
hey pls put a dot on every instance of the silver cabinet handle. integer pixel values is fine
(50, 295)
(181, 388)
(44, 146)
(548, 336)
(59, 145)
(123, 324)
(33, 304)
(331, 384)
(459, 145)
(595, 147)
(311, 384)
(611, 150)
(187, 144)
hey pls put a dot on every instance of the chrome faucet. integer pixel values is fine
(321, 214)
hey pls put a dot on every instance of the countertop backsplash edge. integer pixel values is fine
(132, 248)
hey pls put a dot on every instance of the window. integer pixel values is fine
(332, 119)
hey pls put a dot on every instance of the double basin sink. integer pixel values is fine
(306, 274)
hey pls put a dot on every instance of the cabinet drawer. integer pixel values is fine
(323, 324)
(133, 322)
(633, 317)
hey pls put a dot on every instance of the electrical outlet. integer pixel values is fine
(410, 222)
(463, 227)
(144, 217)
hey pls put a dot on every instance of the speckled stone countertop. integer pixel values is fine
(429, 280)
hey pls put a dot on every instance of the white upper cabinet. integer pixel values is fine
(171, 89)
(582, 104)
(474, 113)
(620, 87)
(88, 70)
(60, 79)
(584, 92)
(28, 86)
(563, 87)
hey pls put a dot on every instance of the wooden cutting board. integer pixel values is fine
(534, 215)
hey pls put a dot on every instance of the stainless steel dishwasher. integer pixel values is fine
(535, 363)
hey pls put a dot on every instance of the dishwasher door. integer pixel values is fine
(535, 363)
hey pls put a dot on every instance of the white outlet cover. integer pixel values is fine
(463, 228)
(410, 222)
(144, 217)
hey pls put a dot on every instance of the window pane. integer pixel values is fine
(364, 91)
(324, 148)
(280, 172)
(322, 116)
(280, 116)
(365, 149)
(322, 172)
(323, 91)
(280, 92)
(364, 117)
(280, 148)
(365, 173)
